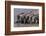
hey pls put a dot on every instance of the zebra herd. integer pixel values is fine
(26, 19)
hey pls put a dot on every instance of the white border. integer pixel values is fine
(25, 28)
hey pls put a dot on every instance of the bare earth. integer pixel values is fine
(26, 25)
